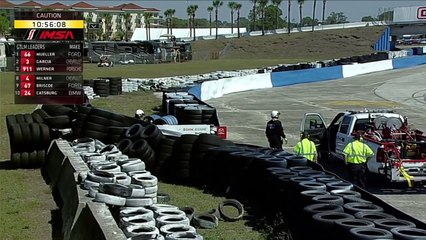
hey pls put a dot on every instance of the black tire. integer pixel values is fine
(45, 135)
(96, 127)
(43, 114)
(10, 119)
(95, 134)
(312, 185)
(340, 186)
(124, 145)
(234, 203)
(139, 147)
(205, 221)
(337, 200)
(32, 157)
(27, 144)
(84, 109)
(189, 212)
(371, 216)
(134, 131)
(15, 158)
(41, 155)
(353, 223)
(16, 138)
(328, 218)
(59, 122)
(355, 207)
(56, 110)
(28, 118)
(296, 161)
(152, 134)
(25, 160)
(322, 207)
(20, 118)
(37, 118)
(407, 233)
(389, 223)
(36, 135)
(98, 120)
(367, 233)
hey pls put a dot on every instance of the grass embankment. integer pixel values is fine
(26, 204)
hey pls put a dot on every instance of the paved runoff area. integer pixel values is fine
(404, 91)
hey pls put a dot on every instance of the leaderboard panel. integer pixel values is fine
(49, 57)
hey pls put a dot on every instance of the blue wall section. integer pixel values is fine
(408, 61)
(304, 76)
(383, 43)
(196, 91)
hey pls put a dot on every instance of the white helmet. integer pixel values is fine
(140, 112)
(275, 114)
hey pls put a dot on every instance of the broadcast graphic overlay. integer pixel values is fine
(49, 57)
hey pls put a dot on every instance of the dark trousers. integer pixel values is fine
(357, 173)
(276, 144)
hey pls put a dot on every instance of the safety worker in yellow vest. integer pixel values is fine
(357, 154)
(306, 148)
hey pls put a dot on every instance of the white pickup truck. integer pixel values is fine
(400, 152)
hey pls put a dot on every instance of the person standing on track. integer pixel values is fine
(275, 131)
(357, 154)
(306, 148)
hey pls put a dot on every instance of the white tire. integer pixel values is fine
(139, 202)
(146, 181)
(144, 232)
(137, 191)
(131, 211)
(168, 219)
(110, 199)
(141, 220)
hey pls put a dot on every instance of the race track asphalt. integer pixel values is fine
(404, 90)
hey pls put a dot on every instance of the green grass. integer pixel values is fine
(25, 200)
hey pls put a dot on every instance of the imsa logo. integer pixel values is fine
(421, 13)
(35, 34)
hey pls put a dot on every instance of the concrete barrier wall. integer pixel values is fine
(398, 63)
(285, 78)
(81, 218)
(217, 88)
(358, 69)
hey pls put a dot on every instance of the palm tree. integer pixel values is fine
(107, 21)
(237, 8)
(313, 15)
(323, 10)
(301, 2)
(210, 10)
(254, 15)
(169, 15)
(288, 17)
(216, 5)
(262, 6)
(147, 16)
(191, 12)
(127, 25)
(231, 6)
(277, 4)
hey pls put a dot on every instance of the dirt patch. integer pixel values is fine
(319, 45)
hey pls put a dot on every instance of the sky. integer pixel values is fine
(354, 10)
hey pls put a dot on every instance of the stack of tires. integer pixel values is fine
(195, 114)
(100, 124)
(101, 87)
(139, 141)
(29, 139)
(115, 86)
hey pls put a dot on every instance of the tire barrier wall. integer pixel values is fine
(282, 180)
(351, 67)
